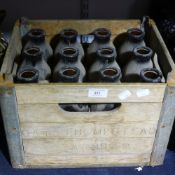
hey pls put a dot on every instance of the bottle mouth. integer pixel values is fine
(38, 34)
(106, 51)
(135, 34)
(102, 34)
(69, 51)
(32, 51)
(143, 53)
(69, 74)
(69, 34)
(151, 75)
(28, 75)
(110, 74)
(33, 54)
(69, 54)
(106, 54)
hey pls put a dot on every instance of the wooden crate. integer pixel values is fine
(41, 134)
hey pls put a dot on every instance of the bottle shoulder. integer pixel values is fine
(43, 45)
(94, 46)
(128, 46)
(61, 45)
(134, 67)
(98, 65)
(61, 64)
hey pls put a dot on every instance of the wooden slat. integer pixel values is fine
(13, 50)
(87, 152)
(89, 161)
(51, 113)
(88, 130)
(157, 44)
(84, 147)
(164, 127)
(78, 93)
(11, 124)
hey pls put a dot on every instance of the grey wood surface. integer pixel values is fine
(11, 124)
(164, 127)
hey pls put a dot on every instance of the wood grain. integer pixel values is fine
(78, 93)
(90, 161)
(88, 130)
(80, 147)
(51, 113)
(87, 152)
(12, 126)
(158, 45)
(164, 127)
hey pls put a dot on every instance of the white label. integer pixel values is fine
(125, 94)
(98, 93)
(143, 92)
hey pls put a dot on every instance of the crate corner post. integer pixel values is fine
(164, 127)
(8, 104)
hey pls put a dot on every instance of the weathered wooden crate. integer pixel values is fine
(41, 134)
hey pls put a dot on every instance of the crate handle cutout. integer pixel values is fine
(86, 107)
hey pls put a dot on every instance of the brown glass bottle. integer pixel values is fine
(32, 58)
(68, 38)
(134, 38)
(102, 39)
(36, 38)
(141, 59)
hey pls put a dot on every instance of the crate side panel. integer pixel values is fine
(84, 141)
